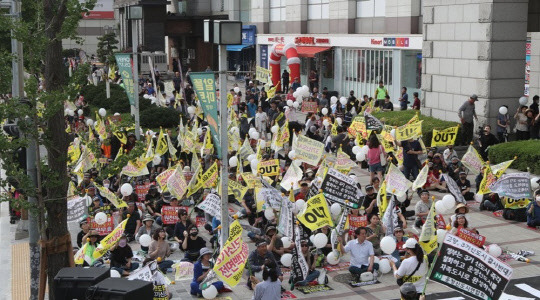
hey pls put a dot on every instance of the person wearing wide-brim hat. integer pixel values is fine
(461, 209)
(201, 269)
(148, 227)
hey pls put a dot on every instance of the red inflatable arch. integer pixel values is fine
(289, 51)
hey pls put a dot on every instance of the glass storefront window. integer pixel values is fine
(411, 71)
(363, 69)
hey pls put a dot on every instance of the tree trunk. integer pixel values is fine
(57, 256)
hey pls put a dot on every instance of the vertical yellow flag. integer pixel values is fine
(428, 236)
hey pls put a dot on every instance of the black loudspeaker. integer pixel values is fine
(121, 289)
(72, 283)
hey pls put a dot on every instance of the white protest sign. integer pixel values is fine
(76, 209)
(396, 182)
(308, 150)
(291, 178)
(211, 205)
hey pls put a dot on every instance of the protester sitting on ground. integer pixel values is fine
(91, 241)
(259, 259)
(465, 186)
(434, 180)
(461, 222)
(375, 232)
(454, 168)
(449, 153)
(149, 226)
(491, 202)
(275, 245)
(400, 238)
(159, 249)
(133, 221)
(533, 211)
(422, 208)
(311, 260)
(412, 269)
(181, 226)
(362, 254)
(461, 209)
(192, 244)
(370, 201)
(270, 287)
(201, 269)
(121, 255)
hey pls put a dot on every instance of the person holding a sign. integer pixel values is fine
(362, 254)
(461, 222)
(311, 260)
(412, 269)
(533, 211)
(201, 269)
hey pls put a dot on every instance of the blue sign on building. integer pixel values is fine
(264, 56)
(248, 38)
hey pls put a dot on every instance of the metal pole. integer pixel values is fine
(33, 229)
(17, 52)
(135, 108)
(224, 143)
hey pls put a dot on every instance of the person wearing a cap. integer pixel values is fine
(533, 211)
(362, 254)
(465, 186)
(467, 115)
(91, 239)
(311, 260)
(400, 238)
(370, 201)
(422, 208)
(133, 221)
(259, 258)
(201, 269)
(85, 183)
(95, 206)
(414, 268)
(149, 227)
(455, 167)
(85, 227)
(408, 292)
(121, 255)
(164, 201)
(449, 153)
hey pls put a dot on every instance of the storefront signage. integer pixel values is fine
(277, 39)
(355, 40)
(396, 42)
(309, 40)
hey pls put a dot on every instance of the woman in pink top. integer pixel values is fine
(374, 157)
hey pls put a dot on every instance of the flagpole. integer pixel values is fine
(431, 268)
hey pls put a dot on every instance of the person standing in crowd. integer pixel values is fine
(522, 130)
(285, 81)
(404, 99)
(414, 268)
(261, 121)
(362, 254)
(295, 84)
(177, 82)
(380, 94)
(467, 115)
(486, 140)
(411, 150)
(373, 157)
(416, 103)
(503, 123)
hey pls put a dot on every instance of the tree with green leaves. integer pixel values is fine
(106, 48)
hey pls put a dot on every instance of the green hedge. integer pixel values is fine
(527, 152)
(399, 118)
(156, 117)
(96, 96)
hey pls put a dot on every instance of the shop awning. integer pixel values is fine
(237, 48)
(304, 51)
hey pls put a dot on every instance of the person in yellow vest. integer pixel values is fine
(380, 94)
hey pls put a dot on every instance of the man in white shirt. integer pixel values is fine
(362, 254)
(449, 153)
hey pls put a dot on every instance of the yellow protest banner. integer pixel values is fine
(208, 179)
(515, 203)
(428, 236)
(79, 256)
(111, 239)
(136, 168)
(121, 136)
(487, 180)
(176, 184)
(472, 160)
(308, 150)
(105, 192)
(269, 167)
(444, 137)
(262, 74)
(162, 178)
(409, 131)
(237, 189)
(499, 169)
(233, 256)
(162, 146)
(250, 179)
(316, 214)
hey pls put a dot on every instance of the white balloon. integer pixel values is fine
(275, 129)
(71, 113)
(534, 183)
(115, 274)
(236, 89)
(286, 242)
(66, 112)
(102, 112)
(523, 100)
(116, 114)
(126, 189)
(393, 133)
(356, 149)
(89, 122)
(289, 102)
(145, 240)
(80, 112)
(254, 163)
(335, 209)
(353, 177)
(233, 161)
(402, 198)
(252, 129)
(440, 208)
(324, 111)
(320, 240)
(191, 110)
(332, 258)
(269, 214)
(255, 135)
(156, 160)
(233, 129)
(251, 157)
(478, 198)
(365, 149)
(449, 202)
(292, 154)
(262, 143)
(376, 260)
(146, 96)
(199, 131)
(343, 100)
(326, 122)
(300, 204)
(296, 105)
(305, 88)
(333, 99)
(441, 233)
(503, 110)
(388, 244)
(494, 250)
(339, 121)
(360, 156)
(384, 266)
(100, 218)
(210, 292)
(286, 259)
